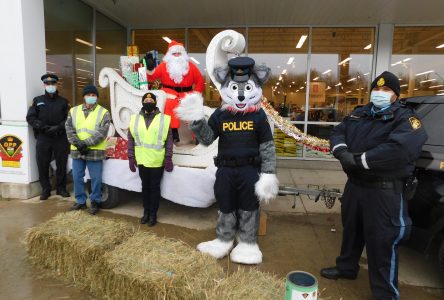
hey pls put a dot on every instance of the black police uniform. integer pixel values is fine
(385, 146)
(47, 116)
(238, 159)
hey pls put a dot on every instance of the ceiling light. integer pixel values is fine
(436, 86)
(51, 63)
(277, 83)
(344, 61)
(351, 79)
(328, 87)
(366, 73)
(368, 46)
(316, 78)
(195, 60)
(83, 70)
(81, 77)
(47, 49)
(338, 84)
(280, 78)
(429, 80)
(415, 89)
(404, 85)
(52, 72)
(284, 71)
(85, 60)
(423, 73)
(328, 71)
(301, 41)
(166, 39)
(440, 46)
(440, 94)
(292, 82)
(290, 60)
(86, 43)
(348, 92)
(406, 59)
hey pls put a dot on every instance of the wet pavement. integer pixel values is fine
(294, 241)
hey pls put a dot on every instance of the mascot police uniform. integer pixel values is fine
(246, 159)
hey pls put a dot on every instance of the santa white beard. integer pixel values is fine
(177, 67)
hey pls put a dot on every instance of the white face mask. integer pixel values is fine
(50, 89)
(380, 99)
(90, 100)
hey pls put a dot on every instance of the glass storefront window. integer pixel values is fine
(69, 52)
(156, 39)
(418, 60)
(198, 41)
(111, 44)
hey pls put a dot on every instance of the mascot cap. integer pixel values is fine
(241, 68)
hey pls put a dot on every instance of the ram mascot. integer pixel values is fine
(246, 159)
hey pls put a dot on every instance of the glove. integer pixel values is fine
(149, 61)
(82, 147)
(132, 164)
(169, 164)
(267, 187)
(347, 159)
(53, 130)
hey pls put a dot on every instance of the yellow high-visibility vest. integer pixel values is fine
(150, 142)
(86, 127)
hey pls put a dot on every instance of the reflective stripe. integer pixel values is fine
(74, 116)
(159, 144)
(393, 264)
(337, 146)
(364, 161)
(96, 125)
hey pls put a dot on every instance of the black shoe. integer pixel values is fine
(152, 221)
(45, 194)
(144, 219)
(94, 208)
(78, 206)
(64, 193)
(175, 132)
(334, 273)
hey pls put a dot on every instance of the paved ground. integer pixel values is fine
(297, 239)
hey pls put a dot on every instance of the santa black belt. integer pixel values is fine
(237, 161)
(178, 88)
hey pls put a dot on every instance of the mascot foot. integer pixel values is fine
(216, 248)
(248, 254)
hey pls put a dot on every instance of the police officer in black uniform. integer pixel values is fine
(377, 146)
(47, 116)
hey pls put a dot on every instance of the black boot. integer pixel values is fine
(78, 206)
(45, 194)
(94, 208)
(334, 273)
(152, 221)
(175, 132)
(145, 218)
(63, 192)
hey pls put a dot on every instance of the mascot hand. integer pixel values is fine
(191, 107)
(267, 187)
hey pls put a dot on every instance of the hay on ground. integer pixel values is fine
(72, 243)
(150, 267)
(249, 284)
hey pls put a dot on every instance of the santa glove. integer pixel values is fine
(132, 164)
(169, 164)
(150, 64)
(267, 187)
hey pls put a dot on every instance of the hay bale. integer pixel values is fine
(72, 243)
(249, 284)
(150, 267)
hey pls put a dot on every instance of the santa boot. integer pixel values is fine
(176, 137)
(247, 250)
(225, 231)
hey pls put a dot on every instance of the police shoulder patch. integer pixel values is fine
(415, 123)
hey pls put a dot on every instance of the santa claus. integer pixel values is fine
(178, 76)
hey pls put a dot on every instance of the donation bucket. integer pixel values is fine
(301, 286)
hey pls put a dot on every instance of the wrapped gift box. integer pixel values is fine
(132, 50)
(117, 148)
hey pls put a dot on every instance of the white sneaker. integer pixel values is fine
(248, 254)
(216, 248)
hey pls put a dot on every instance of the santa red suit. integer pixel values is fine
(178, 76)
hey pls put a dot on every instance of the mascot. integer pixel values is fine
(246, 160)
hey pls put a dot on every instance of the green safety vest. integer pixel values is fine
(150, 142)
(86, 127)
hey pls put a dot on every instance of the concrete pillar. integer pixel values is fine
(22, 62)
(384, 48)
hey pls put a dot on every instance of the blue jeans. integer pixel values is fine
(95, 172)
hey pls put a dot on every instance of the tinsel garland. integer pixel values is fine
(291, 130)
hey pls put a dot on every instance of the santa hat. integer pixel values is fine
(175, 46)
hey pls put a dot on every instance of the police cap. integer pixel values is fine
(49, 78)
(149, 95)
(241, 68)
(389, 80)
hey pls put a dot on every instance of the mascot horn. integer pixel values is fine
(246, 159)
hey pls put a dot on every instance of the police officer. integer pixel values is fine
(377, 146)
(150, 148)
(47, 116)
(87, 127)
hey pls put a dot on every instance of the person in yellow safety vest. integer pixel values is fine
(150, 148)
(86, 128)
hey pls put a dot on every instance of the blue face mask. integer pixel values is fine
(380, 99)
(90, 99)
(50, 89)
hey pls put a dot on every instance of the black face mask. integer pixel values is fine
(149, 107)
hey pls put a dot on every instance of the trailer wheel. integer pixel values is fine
(110, 196)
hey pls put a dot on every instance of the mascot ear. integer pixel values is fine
(221, 74)
(262, 73)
